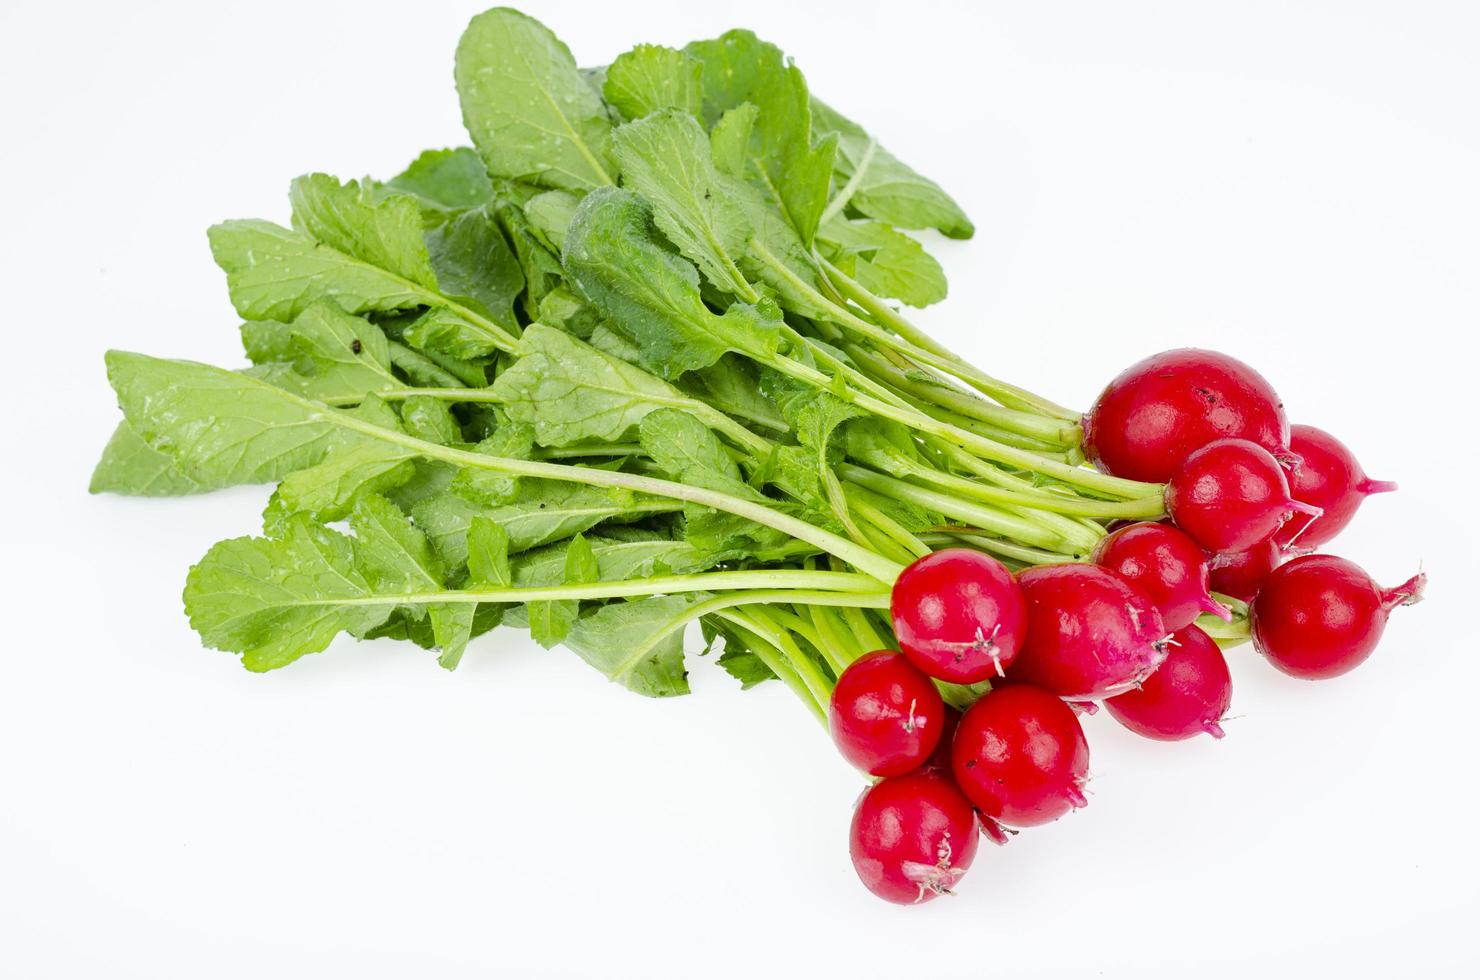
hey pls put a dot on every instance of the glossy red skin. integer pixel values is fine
(1090, 635)
(959, 615)
(1165, 566)
(1320, 616)
(1328, 476)
(1020, 756)
(1229, 496)
(1186, 696)
(1240, 573)
(1159, 411)
(885, 715)
(912, 837)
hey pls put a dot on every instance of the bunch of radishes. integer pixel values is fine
(1244, 491)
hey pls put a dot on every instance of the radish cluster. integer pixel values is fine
(1246, 495)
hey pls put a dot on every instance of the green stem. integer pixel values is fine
(841, 199)
(859, 557)
(1009, 395)
(987, 448)
(997, 521)
(778, 585)
(1149, 508)
(806, 666)
(776, 661)
(1007, 549)
(1055, 431)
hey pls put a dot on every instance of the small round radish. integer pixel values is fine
(958, 615)
(1187, 695)
(1320, 616)
(1090, 635)
(1230, 495)
(1240, 573)
(1164, 565)
(913, 837)
(886, 717)
(1329, 477)
(1159, 411)
(1020, 756)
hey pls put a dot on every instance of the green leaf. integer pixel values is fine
(488, 555)
(508, 441)
(272, 600)
(888, 189)
(393, 554)
(732, 385)
(218, 425)
(738, 68)
(352, 467)
(275, 274)
(549, 215)
(573, 315)
(729, 140)
(530, 113)
(740, 662)
(680, 444)
(453, 180)
(617, 640)
(550, 622)
(475, 266)
(665, 157)
(396, 557)
(430, 419)
(570, 392)
(652, 294)
(651, 77)
(546, 511)
(385, 233)
(130, 466)
(884, 261)
(441, 331)
(343, 352)
(542, 269)
(622, 554)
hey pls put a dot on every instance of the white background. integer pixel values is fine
(1293, 183)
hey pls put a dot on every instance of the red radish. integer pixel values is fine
(1090, 635)
(1329, 477)
(958, 615)
(913, 837)
(1240, 573)
(1187, 695)
(1159, 411)
(1020, 756)
(1320, 616)
(1230, 495)
(1164, 565)
(886, 717)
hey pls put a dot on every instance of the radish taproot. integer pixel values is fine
(1328, 476)
(1165, 566)
(1161, 410)
(1090, 635)
(959, 615)
(885, 715)
(913, 837)
(1020, 756)
(1230, 495)
(1320, 616)
(1187, 695)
